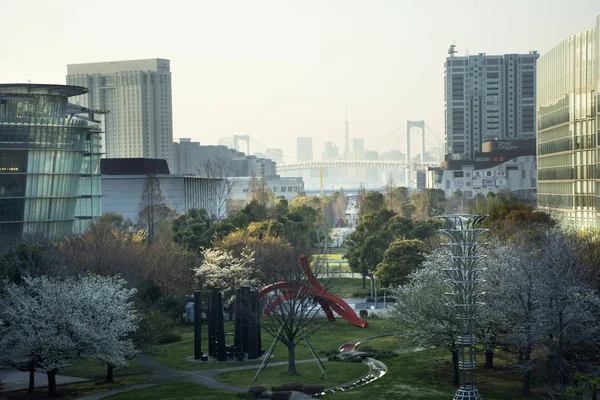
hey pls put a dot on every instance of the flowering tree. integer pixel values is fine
(221, 269)
(39, 327)
(106, 319)
(46, 322)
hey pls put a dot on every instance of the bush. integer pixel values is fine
(374, 315)
(363, 313)
(257, 392)
(281, 395)
(292, 387)
(313, 390)
(170, 337)
(360, 294)
(275, 388)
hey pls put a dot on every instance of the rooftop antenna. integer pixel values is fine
(452, 50)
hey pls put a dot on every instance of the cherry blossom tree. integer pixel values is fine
(221, 269)
(106, 320)
(39, 329)
(47, 322)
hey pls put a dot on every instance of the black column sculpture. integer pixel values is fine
(252, 326)
(237, 338)
(220, 334)
(197, 325)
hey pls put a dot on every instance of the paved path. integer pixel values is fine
(17, 380)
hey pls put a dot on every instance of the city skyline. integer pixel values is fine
(274, 71)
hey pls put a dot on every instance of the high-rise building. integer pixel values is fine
(49, 161)
(488, 97)
(304, 149)
(138, 95)
(568, 119)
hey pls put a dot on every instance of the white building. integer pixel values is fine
(503, 165)
(138, 95)
(123, 184)
(488, 97)
(287, 187)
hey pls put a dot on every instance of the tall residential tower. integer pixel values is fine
(488, 97)
(568, 110)
(138, 95)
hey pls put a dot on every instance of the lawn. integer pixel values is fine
(330, 337)
(337, 373)
(176, 391)
(346, 287)
(94, 370)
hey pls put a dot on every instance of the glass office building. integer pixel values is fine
(568, 79)
(49, 161)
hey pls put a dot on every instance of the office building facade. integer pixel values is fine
(138, 95)
(49, 161)
(488, 97)
(304, 149)
(568, 109)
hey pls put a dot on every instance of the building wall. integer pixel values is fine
(46, 159)
(138, 95)
(191, 158)
(517, 175)
(122, 193)
(287, 187)
(304, 149)
(488, 97)
(568, 151)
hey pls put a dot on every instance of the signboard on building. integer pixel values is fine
(500, 182)
(477, 174)
(489, 173)
(499, 173)
(459, 183)
(512, 167)
(477, 184)
(488, 183)
(458, 174)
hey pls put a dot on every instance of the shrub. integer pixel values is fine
(313, 390)
(363, 313)
(275, 388)
(257, 392)
(292, 387)
(281, 395)
(373, 315)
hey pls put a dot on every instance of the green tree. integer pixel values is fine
(402, 258)
(372, 202)
(191, 230)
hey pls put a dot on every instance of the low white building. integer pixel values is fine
(123, 183)
(288, 187)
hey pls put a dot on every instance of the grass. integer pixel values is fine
(330, 337)
(346, 287)
(176, 391)
(309, 374)
(428, 375)
(329, 257)
(94, 370)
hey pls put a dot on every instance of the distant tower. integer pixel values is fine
(347, 149)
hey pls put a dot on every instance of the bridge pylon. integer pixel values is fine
(409, 170)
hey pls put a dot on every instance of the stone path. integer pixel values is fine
(17, 380)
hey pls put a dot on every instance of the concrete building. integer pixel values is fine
(288, 187)
(123, 183)
(190, 158)
(502, 165)
(568, 120)
(488, 97)
(304, 149)
(49, 161)
(138, 95)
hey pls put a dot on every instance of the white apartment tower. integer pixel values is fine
(137, 94)
(488, 97)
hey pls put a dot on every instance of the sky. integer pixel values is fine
(279, 69)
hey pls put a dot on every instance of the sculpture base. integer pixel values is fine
(467, 393)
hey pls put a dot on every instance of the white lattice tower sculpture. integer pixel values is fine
(464, 234)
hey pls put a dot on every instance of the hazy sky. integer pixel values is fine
(278, 69)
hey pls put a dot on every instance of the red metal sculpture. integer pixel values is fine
(327, 300)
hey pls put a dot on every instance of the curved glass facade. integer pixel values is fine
(568, 110)
(42, 154)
